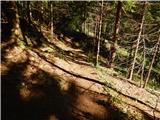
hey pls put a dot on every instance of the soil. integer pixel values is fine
(63, 85)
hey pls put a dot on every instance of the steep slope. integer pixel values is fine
(61, 84)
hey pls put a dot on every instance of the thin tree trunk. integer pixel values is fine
(131, 56)
(115, 34)
(51, 5)
(143, 63)
(95, 37)
(99, 35)
(137, 45)
(28, 12)
(41, 19)
(153, 59)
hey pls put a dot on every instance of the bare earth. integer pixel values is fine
(80, 85)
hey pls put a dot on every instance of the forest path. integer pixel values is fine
(73, 98)
(129, 93)
(82, 84)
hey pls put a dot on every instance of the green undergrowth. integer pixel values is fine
(122, 52)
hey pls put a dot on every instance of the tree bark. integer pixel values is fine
(143, 63)
(51, 5)
(13, 19)
(130, 57)
(153, 59)
(41, 19)
(137, 45)
(113, 47)
(28, 12)
(99, 35)
(94, 40)
(11, 13)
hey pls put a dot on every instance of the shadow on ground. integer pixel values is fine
(45, 100)
(23, 99)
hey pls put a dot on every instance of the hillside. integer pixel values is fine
(67, 61)
(89, 92)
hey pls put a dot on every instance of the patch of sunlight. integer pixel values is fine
(36, 23)
(122, 52)
(105, 70)
(91, 34)
(103, 74)
(48, 49)
(50, 36)
(64, 85)
(24, 91)
(77, 44)
(21, 41)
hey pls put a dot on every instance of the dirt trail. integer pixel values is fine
(149, 101)
(80, 95)
(74, 100)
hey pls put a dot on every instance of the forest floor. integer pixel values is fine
(56, 82)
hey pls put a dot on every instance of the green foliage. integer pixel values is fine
(122, 52)
(121, 71)
(153, 85)
(136, 77)
(129, 5)
(74, 23)
(154, 10)
(115, 99)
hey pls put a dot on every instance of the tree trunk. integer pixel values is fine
(13, 19)
(131, 52)
(153, 59)
(95, 36)
(11, 12)
(51, 5)
(143, 63)
(41, 19)
(137, 45)
(115, 34)
(99, 35)
(28, 12)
